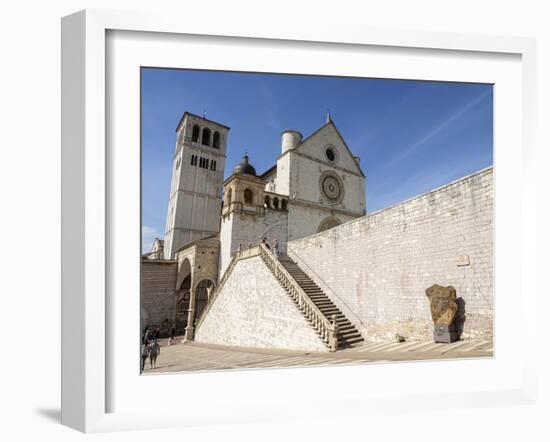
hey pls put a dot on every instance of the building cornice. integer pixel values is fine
(200, 148)
(200, 118)
(244, 177)
(190, 192)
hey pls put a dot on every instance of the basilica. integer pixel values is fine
(338, 273)
(316, 183)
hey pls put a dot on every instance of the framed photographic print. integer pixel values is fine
(267, 222)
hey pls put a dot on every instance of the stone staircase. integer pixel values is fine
(347, 334)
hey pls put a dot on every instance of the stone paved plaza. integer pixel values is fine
(200, 357)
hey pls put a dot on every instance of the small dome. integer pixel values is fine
(244, 167)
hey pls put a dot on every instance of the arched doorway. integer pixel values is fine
(202, 293)
(328, 223)
(182, 307)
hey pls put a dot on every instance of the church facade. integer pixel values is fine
(316, 184)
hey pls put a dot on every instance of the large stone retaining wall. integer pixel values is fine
(377, 268)
(253, 310)
(158, 294)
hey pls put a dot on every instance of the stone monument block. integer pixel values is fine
(443, 307)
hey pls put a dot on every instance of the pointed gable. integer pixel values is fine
(327, 137)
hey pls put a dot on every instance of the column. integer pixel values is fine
(190, 329)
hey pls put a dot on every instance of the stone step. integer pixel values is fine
(348, 344)
(326, 306)
(324, 303)
(347, 335)
(351, 340)
(346, 328)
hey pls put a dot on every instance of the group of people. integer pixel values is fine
(150, 347)
(274, 248)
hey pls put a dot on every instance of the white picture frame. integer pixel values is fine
(87, 207)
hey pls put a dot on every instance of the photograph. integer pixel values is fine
(307, 220)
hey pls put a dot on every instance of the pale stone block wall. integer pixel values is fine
(379, 266)
(304, 220)
(248, 230)
(253, 310)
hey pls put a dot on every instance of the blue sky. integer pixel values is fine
(412, 136)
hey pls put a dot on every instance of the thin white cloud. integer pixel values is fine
(436, 130)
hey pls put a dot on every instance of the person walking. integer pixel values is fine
(154, 351)
(144, 355)
(146, 337)
(276, 249)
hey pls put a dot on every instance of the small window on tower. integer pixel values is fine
(206, 163)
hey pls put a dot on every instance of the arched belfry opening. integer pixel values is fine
(248, 196)
(196, 133)
(206, 137)
(216, 140)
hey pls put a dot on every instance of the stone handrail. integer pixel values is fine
(348, 310)
(326, 329)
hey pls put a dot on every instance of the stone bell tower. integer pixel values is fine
(243, 211)
(197, 176)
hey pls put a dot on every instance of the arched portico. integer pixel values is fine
(197, 276)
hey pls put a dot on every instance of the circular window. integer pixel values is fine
(329, 152)
(331, 187)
